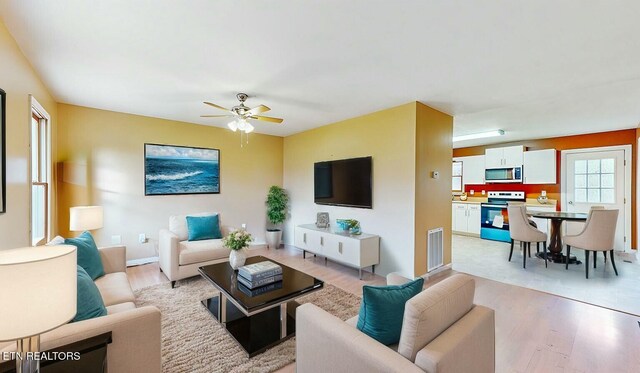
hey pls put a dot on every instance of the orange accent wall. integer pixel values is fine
(592, 140)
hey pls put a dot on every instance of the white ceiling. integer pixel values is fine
(536, 68)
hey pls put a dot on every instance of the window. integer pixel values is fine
(40, 173)
(456, 178)
(595, 180)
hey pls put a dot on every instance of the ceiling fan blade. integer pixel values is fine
(216, 116)
(267, 119)
(216, 106)
(258, 110)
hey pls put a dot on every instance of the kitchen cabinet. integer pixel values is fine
(540, 167)
(472, 169)
(506, 157)
(465, 218)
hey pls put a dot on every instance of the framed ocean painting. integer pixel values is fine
(171, 169)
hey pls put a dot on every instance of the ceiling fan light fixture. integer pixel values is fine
(248, 128)
(233, 125)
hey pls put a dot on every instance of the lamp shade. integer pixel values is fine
(38, 287)
(85, 218)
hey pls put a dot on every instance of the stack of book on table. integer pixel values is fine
(259, 274)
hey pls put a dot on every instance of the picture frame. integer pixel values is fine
(3, 152)
(177, 170)
(322, 220)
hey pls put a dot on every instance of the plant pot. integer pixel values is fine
(237, 258)
(273, 238)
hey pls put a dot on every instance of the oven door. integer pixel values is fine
(494, 223)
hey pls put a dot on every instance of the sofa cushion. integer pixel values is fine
(121, 307)
(88, 255)
(178, 224)
(201, 251)
(382, 308)
(115, 288)
(203, 227)
(431, 312)
(89, 303)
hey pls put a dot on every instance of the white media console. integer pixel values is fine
(358, 251)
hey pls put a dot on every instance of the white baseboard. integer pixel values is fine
(141, 261)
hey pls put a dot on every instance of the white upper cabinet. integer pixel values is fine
(507, 157)
(472, 169)
(540, 167)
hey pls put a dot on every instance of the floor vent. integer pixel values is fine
(435, 249)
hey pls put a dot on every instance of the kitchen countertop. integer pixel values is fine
(532, 202)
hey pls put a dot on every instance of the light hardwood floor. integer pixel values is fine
(535, 331)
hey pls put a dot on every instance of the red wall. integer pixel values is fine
(593, 140)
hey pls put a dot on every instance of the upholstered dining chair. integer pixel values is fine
(598, 234)
(521, 230)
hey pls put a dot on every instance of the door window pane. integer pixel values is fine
(593, 181)
(608, 165)
(593, 195)
(581, 167)
(607, 181)
(593, 166)
(581, 181)
(607, 196)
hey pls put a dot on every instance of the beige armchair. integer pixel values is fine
(521, 230)
(442, 331)
(598, 234)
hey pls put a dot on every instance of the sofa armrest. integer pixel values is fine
(466, 346)
(114, 258)
(226, 229)
(324, 343)
(168, 253)
(135, 334)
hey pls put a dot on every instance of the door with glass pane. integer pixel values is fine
(596, 179)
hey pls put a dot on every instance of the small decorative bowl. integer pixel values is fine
(342, 224)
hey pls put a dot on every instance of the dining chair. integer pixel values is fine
(521, 230)
(598, 234)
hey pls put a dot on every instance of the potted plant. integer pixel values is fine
(237, 241)
(277, 200)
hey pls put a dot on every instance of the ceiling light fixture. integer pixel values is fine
(242, 125)
(480, 135)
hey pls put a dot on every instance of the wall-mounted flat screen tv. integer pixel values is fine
(345, 182)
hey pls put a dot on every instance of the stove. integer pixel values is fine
(494, 224)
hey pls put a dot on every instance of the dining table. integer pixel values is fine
(555, 241)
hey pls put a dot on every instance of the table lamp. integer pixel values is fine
(85, 218)
(38, 286)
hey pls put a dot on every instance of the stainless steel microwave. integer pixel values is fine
(503, 175)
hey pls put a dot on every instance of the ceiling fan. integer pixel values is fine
(242, 113)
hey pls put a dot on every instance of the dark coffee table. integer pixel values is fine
(260, 321)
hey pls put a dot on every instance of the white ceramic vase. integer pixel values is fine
(237, 258)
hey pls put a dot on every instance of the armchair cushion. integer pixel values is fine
(201, 251)
(115, 289)
(382, 308)
(89, 303)
(203, 227)
(431, 312)
(88, 255)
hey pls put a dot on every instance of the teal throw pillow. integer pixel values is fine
(382, 310)
(88, 255)
(203, 227)
(90, 302)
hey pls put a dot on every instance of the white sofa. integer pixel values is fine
(135, 332)
(442, 331)
(180, 258)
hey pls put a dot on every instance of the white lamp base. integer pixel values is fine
(24, 363)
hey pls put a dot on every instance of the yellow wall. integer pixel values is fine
(101, 161)
(19, 80)
(406, 143)
(433, 196)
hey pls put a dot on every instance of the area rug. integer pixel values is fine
(193, 341)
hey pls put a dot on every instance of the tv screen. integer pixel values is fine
(345, 182)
